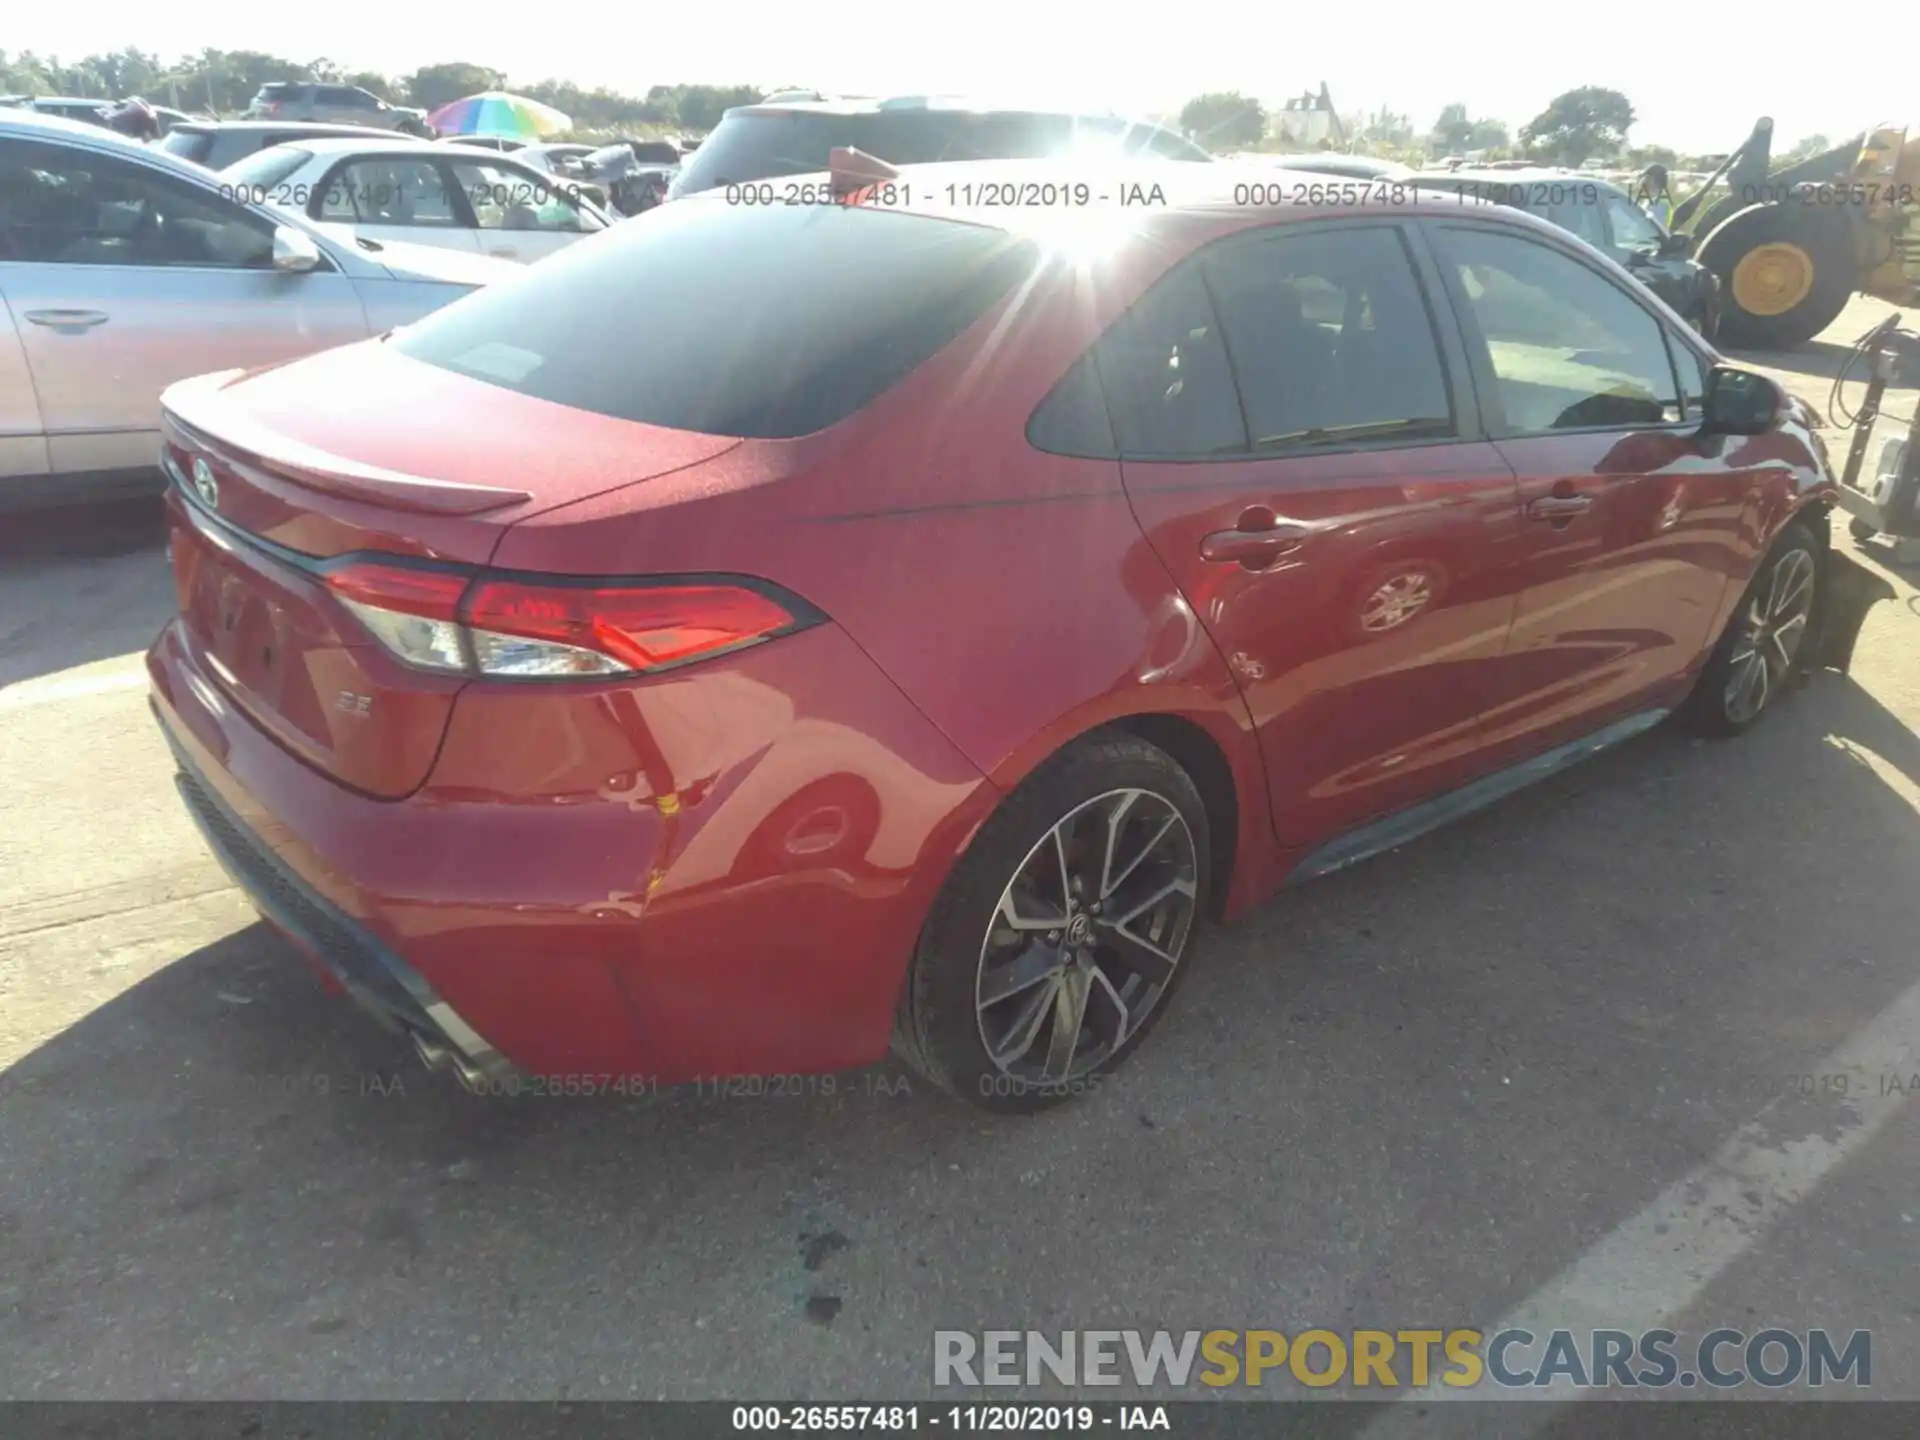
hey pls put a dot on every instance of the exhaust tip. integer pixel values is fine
(432, 1054)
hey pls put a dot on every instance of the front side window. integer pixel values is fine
(1568, 348)
(70, 206)
(1330, 338)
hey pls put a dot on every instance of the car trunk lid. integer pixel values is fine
(280, 474)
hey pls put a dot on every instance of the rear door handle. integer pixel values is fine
(67, 319)
(506, 252)
(1260, 538)
(1560, 507)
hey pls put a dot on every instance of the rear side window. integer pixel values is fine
(194, 145)
(759, 322)
(1330, 338)
(278, 90)
(1168, 384)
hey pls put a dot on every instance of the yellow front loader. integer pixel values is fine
(1792, 246)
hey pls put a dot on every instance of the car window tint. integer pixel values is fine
(1330, 338)
(1569, 349)
(194, 145)
(70, 206)
(1632, 226)
(1164, 368)
(1073, 419)
(765, 322)
(261, 172)
(509, 199)
(388, 191)
(1582, 219)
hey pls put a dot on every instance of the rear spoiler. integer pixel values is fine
(192, 415)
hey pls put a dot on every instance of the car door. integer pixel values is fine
(124, 278)
(517, 213)
(1299, 440)
(405, 199)
(23, 437)
(1631, 521)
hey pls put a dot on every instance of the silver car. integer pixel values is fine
(123, 269)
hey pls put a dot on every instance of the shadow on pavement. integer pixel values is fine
(1417, 1088)
(80, 585)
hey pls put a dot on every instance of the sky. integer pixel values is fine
(1502, 58)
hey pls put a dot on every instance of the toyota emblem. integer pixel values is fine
(205, 486)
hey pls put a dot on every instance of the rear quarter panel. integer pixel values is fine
(1009, 593)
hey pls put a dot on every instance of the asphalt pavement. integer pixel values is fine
(1468, 1080)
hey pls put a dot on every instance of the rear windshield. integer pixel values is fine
(191, 145)
(798, 142)
(729, 320)
(274, 91)
(264, 169)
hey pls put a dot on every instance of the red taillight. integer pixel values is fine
(532, 629)
(642, 627)
(433, 594)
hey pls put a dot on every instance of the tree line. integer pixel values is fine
(1587, 123)
(223, 82)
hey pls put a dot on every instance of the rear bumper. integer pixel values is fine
(721, 871)
(368, 970)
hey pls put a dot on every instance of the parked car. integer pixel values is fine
(770, 632)
(1603, 215)
(502, 143)
(68, 107)
(771, 140)
(123, 269)
(424, 193)
(1328, 162)
(630, 185)
(336, 104)
(217, 144)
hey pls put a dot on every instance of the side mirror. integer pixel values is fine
(1672, 244)
(294, 252)
(1740, 402)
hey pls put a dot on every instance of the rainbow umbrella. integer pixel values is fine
(495, 112)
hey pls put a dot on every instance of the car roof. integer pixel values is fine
(967, 191)
(382, 142)
(1539, 175)
(39, 123)
(316, 128)
(939, 104)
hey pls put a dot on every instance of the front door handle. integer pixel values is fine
(505, 252)
(1258, 539)
(67, 319)
(1560, 507)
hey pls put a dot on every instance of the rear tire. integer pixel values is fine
(1762, 644)
(1819, 238)
(1060, 937)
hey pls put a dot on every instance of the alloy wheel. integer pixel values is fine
(1771, 630)
(1397, 600)
(1086, 937)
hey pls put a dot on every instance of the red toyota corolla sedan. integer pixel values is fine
(764, 634)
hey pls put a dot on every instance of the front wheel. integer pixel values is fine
(1060, 936)
(1755, 657)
